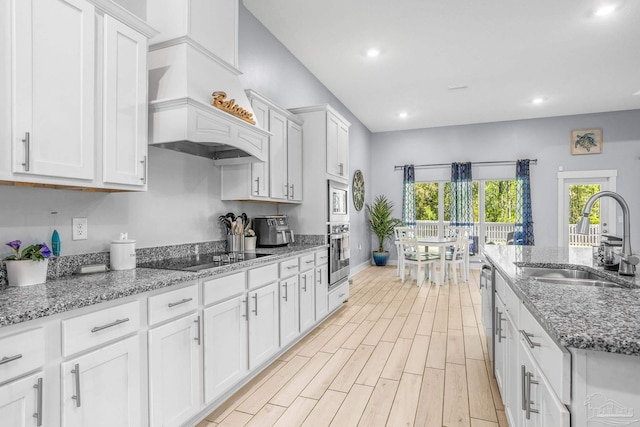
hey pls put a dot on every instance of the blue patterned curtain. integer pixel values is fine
(523, 234)
(461, 196)
(409, 197)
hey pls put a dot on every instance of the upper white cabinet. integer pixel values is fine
(280, 178)
(328, 131)
(125, 109)
(78, 111)
(54, 81)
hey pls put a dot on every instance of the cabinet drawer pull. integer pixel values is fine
(257, 185)
(114, 323)
(289, 267)
(197, 322)
(305, 283)
(499, 320)
(309, 262)
(527, 336)
(341, 295)
(27, 147)
(173, 304)
(255, 299)
(528, 381)
(245, 302)
(10, 359)
(286, 292)
(292, 192)
(319, 277)
(38, 414)
(76, 372)
(286, 191)
(523, 379)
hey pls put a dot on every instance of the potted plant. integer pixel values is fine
(382, 224)
(249, 240)
(28, 267)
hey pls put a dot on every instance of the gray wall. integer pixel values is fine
(544, 139)
(269, 68)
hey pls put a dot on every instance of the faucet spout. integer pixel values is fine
(628, 261)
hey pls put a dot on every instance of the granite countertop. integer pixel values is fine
(584, 317)
(21, 304)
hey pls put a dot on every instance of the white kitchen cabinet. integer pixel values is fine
(174, 371)
(225, 346)
(337, 147)
(102, 388)
(79, 106)
(307, 292)
(125, 107)
(54, 81)
(540, 405)
(280, 178)
(289, 311)
(322, 291)
(21, 402)
(263, 324)
(500, 348)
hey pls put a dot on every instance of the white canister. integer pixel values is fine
(123, 253)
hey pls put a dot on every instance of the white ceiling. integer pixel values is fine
(506, 51)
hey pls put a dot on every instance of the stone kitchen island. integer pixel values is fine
(565, 354)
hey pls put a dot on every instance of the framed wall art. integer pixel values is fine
(358, 190)
(586, 141)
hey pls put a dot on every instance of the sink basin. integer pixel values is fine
(566, 276)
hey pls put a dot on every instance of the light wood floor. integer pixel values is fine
(393, 355)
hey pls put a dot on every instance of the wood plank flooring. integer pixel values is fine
(393, 355)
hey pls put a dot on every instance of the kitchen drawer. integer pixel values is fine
(338, 295)
(172, 304)
(500, 286)
(512, 304)
(21, 353)
(288, 268)
(96, 328)
(307, 262)
(322, 257)
(555, 364)
(221, 288)
(263, 275)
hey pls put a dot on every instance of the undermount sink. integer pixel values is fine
(566, 276)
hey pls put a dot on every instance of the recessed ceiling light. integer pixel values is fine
(537, 101)
(373, 52)
(605, 10)
(403, 115)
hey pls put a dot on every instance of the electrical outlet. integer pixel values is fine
(79, 229)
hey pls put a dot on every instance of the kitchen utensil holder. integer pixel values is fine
(235, 243)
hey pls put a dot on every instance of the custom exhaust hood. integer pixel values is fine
(195, 55)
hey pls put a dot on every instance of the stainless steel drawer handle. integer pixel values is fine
(292, 192)
(286, 292)
(309, 262)
(10, 359)
(527, 337)
(289, 267)
(523, 379)
(341, 295)
(257, 185)
(245, 302)
(173, 304)
(76, 372)
(255, 299)
(305, 283)
(197, 322)
(143, 162)
(109, 325)
(528, 382)
(38, 414)
(499, 320)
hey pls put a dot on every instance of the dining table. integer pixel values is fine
(443, 243)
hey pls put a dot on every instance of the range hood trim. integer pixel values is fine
(211, 129)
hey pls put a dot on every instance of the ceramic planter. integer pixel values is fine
(250, 243)
(380, 258)
(26, 272)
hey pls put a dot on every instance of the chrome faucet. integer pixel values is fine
(628, 261)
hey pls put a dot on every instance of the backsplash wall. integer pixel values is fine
(181, 206)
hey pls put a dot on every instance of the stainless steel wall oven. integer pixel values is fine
(338, 253)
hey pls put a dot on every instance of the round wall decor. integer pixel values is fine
(358, 190)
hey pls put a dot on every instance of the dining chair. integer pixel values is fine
(399, 233)
(414, 255)
(455, 261)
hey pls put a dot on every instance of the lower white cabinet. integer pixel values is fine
(174, 371)
(500, 341)
(225, 346)
(263, 324)
(322, 291)
(21, 402)
(289, 311)
(307, 291)
(102, 388)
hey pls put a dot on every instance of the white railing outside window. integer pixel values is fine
(497, 232)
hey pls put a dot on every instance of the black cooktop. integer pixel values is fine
(202, 261)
